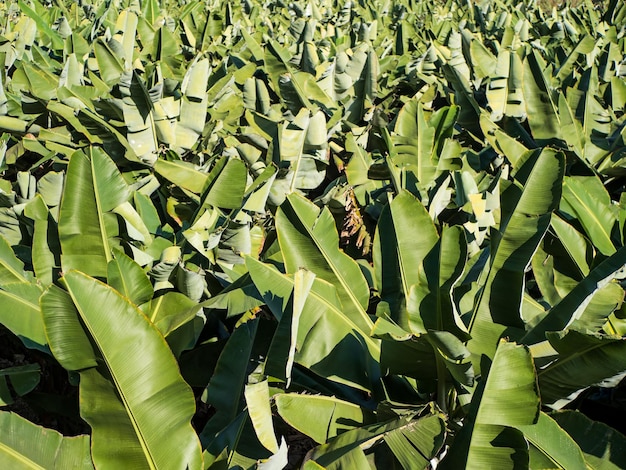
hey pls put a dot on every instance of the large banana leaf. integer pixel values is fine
(260, 410)
(282, 350)
(308, 239)
(504, 91)
(193, 108)
(127, 277)
(24, 445)
(46, 250)
(603, 447)
(227, 384)
(419, 139)
(20, 313)
(120, 408)
(319, 417)
(23, 379)
(399, 250)
(563, 313)
(139, 117)
(587, 200)
(329, 341)
(529, 204)
(413, 442)
(93, 188)
(540, 106)
(507, 396)
(430, 305)
(583, 360)
(11, 268)
(550, 446)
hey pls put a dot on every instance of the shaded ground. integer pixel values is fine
(54, 402)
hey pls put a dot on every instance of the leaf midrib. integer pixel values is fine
(96, 192)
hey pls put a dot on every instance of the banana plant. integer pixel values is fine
(359, 234)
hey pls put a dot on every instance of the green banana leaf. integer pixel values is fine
(225, 185)
(583, 360)
(399, 250)
(603, 447)
(586, 199)
(282, 350)
(127, 277)
(550, 446)
(504, 91)
(258, 401)
(226, 388)
(413, 442)
(93, 188)
(507, 396)
(541, 109)
(181, 174)
(23, 379)
(319, 417)
(139, 116)
(524, 223)
(559, 316)
(193, 108)
(52, 450)
(303, 145)
(308, 239)
(20, 313)
(329, 342)
(418, 139)
(11, 268)
(117, 406)
(430, 305)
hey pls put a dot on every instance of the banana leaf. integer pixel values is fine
(11, 268)
(588, 201)
(418, 140)
(559, 316)
(226, 388)
(308, 239)
(398, 250)
(127, 277)
(413, 442)
(583, 360)
(504, 91)
(541, 109)
(52, 450)
(507, 396)
(550, 446)
(524, 223)
(430, 306)
(120, 409)
(23, 379)
(329, 342)
(319, 417)
(20, 313)
(139, 117)
(94, 187)
(603, 447)
(258, 401)
(193, 108)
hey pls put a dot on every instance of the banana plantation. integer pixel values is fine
(321, 234)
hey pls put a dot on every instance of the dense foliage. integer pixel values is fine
(389, 233)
